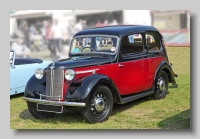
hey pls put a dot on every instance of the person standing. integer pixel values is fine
(105, 23)
(43, 31)
(114, 22)
(32, 29)
(26, 33)
(49, 38)
(71, 31)
(58, 32)
(85, 25)
(79, 26)
(98, 24)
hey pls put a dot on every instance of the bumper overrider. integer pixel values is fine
(55, 103)
(174, 84)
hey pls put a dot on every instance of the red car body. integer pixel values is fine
(122, 64)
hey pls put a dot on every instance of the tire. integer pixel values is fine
(93, 112)
(161, 86)
(39, 114)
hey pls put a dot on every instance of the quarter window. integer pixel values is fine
(152, 42)
(131, 44)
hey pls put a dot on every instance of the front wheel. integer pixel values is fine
(161, 86)
(99, 106)
(38, 114)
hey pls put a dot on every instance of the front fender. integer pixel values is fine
(35, 86)
(85, 88)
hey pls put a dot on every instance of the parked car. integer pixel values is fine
(106, 65)
(21, 70)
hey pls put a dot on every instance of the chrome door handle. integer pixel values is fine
(120, 65)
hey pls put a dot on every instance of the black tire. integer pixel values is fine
(39, 114)
(161, 85)
(94, 113)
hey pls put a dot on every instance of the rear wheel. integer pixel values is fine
(38, 114)
(161, 86)
(99, 106)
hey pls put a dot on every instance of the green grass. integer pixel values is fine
(173, 112)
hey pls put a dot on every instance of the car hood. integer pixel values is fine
(80, 62)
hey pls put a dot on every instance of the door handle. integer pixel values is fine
(120, 65)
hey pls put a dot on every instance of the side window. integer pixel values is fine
(131, 44)
(153, 42)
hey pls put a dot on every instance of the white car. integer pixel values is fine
(21, 70)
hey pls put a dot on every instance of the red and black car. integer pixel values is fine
(106, 65)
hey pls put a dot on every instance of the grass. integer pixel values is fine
(173, 112)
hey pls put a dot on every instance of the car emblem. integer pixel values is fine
(52, 66)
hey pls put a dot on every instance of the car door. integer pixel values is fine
(154, 53)
(20, 75)
(133, 74)
(12, 81)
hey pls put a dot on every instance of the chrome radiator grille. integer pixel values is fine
(54, 84)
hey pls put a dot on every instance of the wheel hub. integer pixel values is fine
(161, 84)
(99, 104)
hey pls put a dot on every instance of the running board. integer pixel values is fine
(134, 97)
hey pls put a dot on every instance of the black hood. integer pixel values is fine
(74, 62)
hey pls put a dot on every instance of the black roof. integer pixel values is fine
(118, 30)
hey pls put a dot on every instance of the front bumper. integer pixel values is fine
(56, 103)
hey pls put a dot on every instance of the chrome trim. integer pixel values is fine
(87, 71)
(51, 86)
(59, 97)
(52, 66)
(56, 103)
(49, 111)
(99, 104)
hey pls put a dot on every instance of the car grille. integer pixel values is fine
(54, 83)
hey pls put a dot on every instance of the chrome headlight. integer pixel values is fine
(70, 74)
(39, 73)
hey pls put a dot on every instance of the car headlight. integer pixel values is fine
(39, 73)
(70, 74)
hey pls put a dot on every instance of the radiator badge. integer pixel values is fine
(52, 66)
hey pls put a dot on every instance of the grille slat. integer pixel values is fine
(54, 83)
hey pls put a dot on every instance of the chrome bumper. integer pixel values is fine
(57, 103)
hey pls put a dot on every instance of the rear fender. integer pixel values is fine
(164, 66)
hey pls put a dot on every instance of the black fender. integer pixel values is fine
(165, 66)
(35, 87)
(81, 91)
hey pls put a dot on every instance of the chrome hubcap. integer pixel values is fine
(161, 84)
(99, 104)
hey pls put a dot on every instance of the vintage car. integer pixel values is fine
(106, 65)
(21, 70)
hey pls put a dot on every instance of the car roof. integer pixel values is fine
(118, 30)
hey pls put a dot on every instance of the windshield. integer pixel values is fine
(11, 57)
(92, 44)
